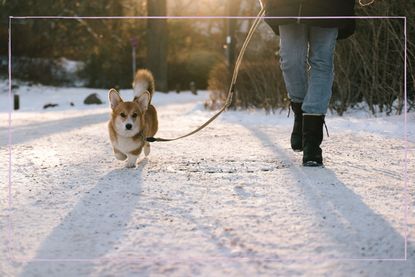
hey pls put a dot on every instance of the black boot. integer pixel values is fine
(297, 133)
(312, 138)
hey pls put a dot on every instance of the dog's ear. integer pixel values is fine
(143, 100)
(114, 98)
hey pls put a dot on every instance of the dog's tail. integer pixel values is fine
(143, 81)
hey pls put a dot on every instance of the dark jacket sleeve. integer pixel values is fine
(313, 8)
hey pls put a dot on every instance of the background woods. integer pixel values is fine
(97, 53)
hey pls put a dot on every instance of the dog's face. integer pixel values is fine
(128, 117)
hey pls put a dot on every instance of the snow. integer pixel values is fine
(231, 200)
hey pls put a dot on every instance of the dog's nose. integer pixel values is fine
(128, 126)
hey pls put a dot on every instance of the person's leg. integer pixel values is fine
(293, 62)
(322, 44)
(321, 55)
(293, 59)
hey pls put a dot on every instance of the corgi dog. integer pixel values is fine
(132, 122)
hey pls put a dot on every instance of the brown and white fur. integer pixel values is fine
(133, 121)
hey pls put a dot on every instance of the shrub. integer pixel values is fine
(109, 67)
(193, 67)
(43, 71)
(258, 86)
(370, 67)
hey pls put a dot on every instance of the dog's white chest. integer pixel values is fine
(127, 145)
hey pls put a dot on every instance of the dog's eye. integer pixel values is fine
(123, 115)
(134, 115)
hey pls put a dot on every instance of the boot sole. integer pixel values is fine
(313, 164)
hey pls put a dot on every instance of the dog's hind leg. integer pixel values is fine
(147, 149)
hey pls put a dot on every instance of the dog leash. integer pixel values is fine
(233, 82)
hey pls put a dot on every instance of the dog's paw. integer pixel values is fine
(130, 165)
(132, 160)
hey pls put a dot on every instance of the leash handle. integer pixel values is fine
(233, 82)
(370, 2)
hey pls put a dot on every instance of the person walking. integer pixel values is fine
(306, 59)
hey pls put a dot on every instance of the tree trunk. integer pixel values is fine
(233, 7)
(157, 43)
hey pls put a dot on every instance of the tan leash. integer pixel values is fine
(233, 82)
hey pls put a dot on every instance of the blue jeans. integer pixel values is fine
(307, 54)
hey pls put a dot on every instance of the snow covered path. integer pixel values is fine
(232, 200)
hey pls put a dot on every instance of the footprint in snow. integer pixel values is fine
(241, 192)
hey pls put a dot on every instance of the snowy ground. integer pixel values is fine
(232, 200)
